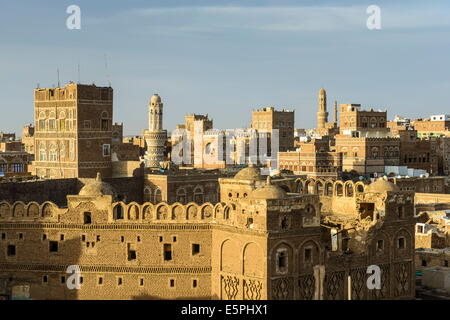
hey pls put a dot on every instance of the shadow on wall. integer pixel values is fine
(40, 191)
(56, 190)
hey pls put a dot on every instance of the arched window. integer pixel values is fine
(42, 152)
(198, 195)
(147, 194)
(281, 261)
(62, 121)
(52, 122)
(70, 122)
(339, 190)
(226, 213)
(360, 188)
(53, 156)
(374, 152)
(319, 188)
(158, 196)
(329, 189)
(349, 190)
(105, 121)
(41, 126)
(181, 195)
(118, 212)
(401, 243)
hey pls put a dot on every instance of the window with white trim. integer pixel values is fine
(106, 150)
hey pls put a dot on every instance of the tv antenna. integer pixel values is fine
(57, 75)
(79, 72)
(108, 76)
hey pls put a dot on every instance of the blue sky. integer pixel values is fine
(225, 58)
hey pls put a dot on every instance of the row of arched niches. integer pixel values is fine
(121, 211)
(328, 188)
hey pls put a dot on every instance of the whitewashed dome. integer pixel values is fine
(155, 99)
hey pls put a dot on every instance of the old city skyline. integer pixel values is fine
(310, 110)
(310, 158)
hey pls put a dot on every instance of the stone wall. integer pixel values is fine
(39, 191)
(56, 190)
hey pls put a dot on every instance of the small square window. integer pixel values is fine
(119, 281)
(98, 238)
(20, 236)
(63, 279)
(100, 280)
(172, 283)
(445, 263)
(424, 263)
(138, 239)
(3, 236)
(61, 237)
(45, 279)
(131, 255)
(44, 237)
(195, 249)
(174, 239)
(87, 218)
(11, 250)
(83, 237)
(141, 282)
(194, 283)
(81, 280)
(167, 252)
(53, 246)
(160, 239)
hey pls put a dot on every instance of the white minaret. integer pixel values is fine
(155, 136)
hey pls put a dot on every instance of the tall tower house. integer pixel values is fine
(155, 136)
(322, 114)
(73, 134)
(335, 112)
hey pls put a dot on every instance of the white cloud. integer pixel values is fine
(258, 18)
(285, 19)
